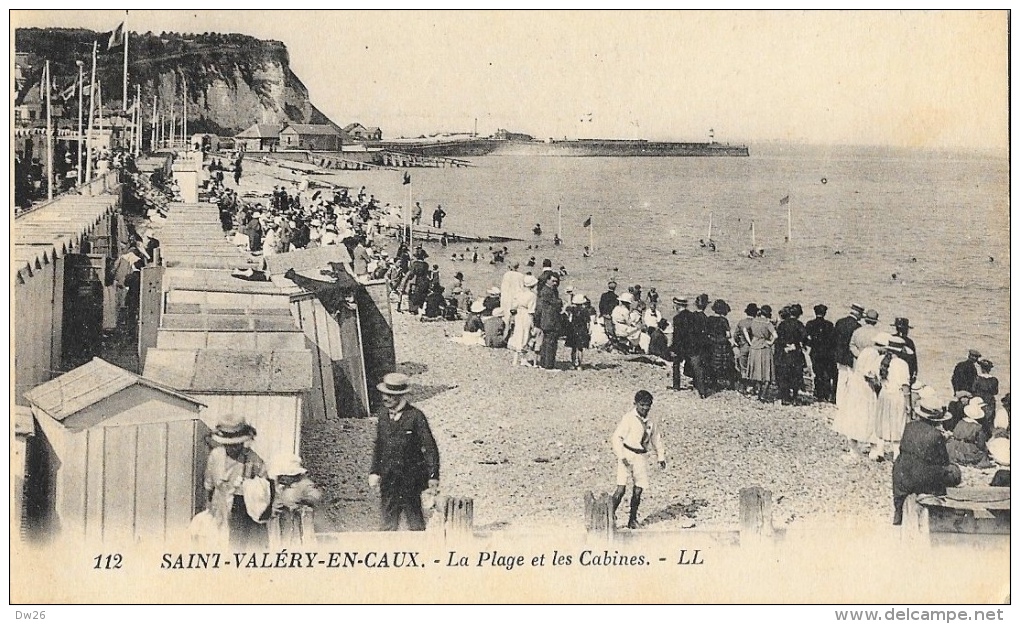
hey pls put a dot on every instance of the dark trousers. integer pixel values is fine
(547, 352)
(401, 498)
(244, 532)
(678, 371)
(825, 379)
(696, 369)
(898, 501)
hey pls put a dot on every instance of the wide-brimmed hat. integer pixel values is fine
(973, 353)
(477, 306)
(395, 383)
(578, 299)
(287, 464)
(530, 280)
(233, 429)
(626, 298)
(871, 316)
(896, 344)
(611, 284)
(497, 311)
(978, 401)
(679, 300)
(986, 365)
(882, 339)
(932, 410)
(494, 290)
(974, 411)
(902, 322)
(859, 309)
(998, 448)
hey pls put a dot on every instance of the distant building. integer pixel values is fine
(321, 137)
(357, 133)
(259, 137)
(506, 135)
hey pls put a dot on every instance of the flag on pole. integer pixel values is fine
(115, 38)
(407, 178)
(784, 201)
(587, 222)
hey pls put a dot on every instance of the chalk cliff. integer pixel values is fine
(232, 80)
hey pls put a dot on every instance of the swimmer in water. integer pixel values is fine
(674, 252)
(991, 258)
(894, 276)
(537, 229)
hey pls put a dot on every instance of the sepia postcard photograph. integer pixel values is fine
(511, 307)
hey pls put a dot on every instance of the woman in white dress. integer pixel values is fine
(858, 417)
(893, 399)
(527, 302)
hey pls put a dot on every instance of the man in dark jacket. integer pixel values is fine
(844, 329)
(608, 301)
(966, 372)
(405, 461)
(821, 340)
(698, 345)
(909, 354)
(680, 346)
(548, 318)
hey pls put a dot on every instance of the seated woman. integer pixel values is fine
(495, 330)
(435, 304)
(293, 493)
(474, 328)
(968, 446)
(923, 465)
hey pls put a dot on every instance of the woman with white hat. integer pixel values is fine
(861, 408)
(526, 303)
(230, 465)
(578, 338)
(893, 398)
(923, 465)
(969, 444)
(293, 492)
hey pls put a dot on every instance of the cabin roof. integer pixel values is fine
(305, 129)
(261, 131)
(231, 371)
(55, 229)
(89, 384)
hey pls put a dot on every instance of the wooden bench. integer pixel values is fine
(972, 511)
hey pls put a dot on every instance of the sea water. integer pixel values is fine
(911, 233)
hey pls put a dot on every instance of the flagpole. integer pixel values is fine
(410, 223)
(49, 134)
(99, 104)
(81, 103)
(789, 223)
(172, 128)
(152, 142)
(184, 115)
(125, 96)
(92, 107)
(138, 119)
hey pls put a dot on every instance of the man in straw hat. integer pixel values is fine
(405, 461)
(923, 465)
(229, 465)
(909, 355)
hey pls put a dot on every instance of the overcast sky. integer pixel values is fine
(911, 79)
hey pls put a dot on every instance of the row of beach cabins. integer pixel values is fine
(106, 454)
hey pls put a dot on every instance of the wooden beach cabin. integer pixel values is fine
(352, 337)
(118, 457)
(61, 251)
(266, 386)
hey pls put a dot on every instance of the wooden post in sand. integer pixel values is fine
(458, 516)
(755, 515)
(598, 516)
